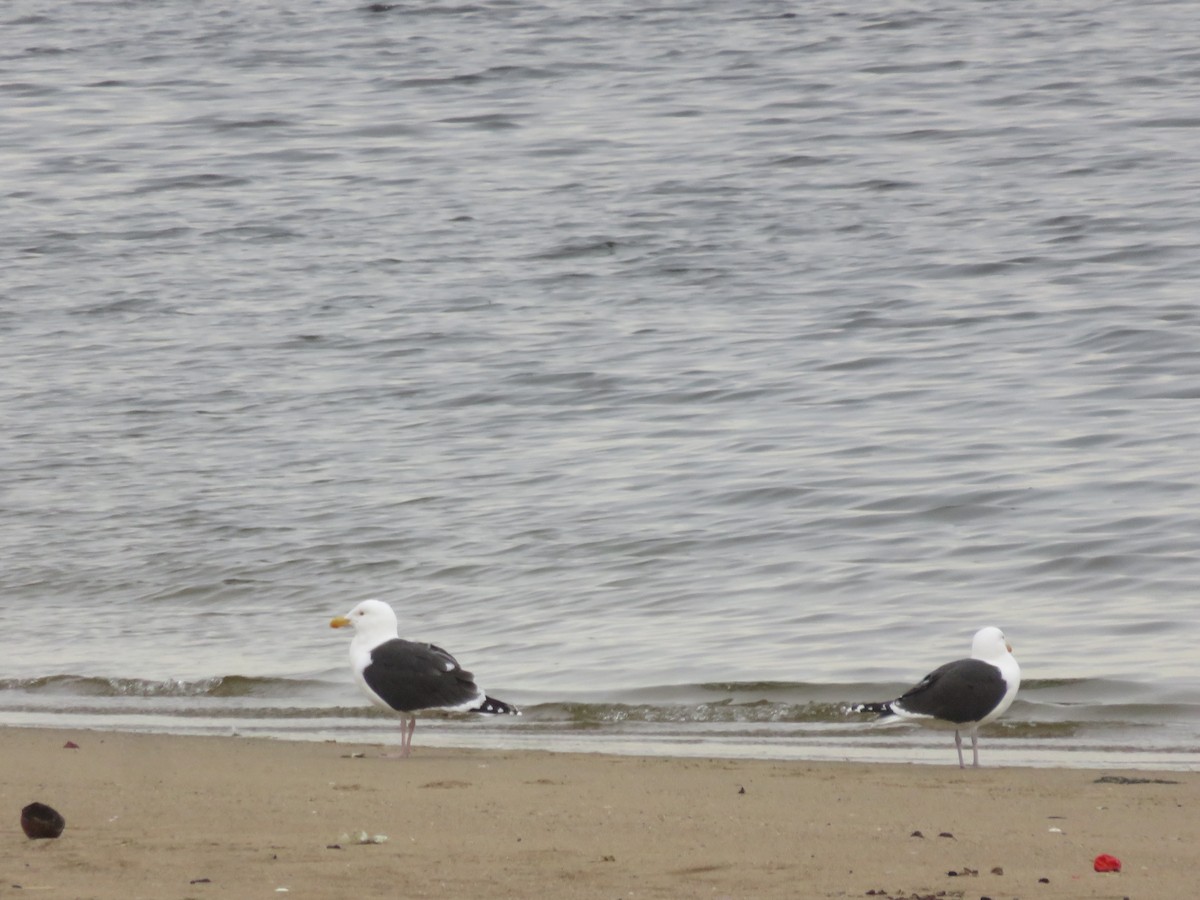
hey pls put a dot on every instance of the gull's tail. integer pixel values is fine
(495, 707)
(881, 709)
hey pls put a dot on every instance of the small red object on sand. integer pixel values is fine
(1106, 863)
(70, 745)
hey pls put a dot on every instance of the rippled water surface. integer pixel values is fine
(626, 350)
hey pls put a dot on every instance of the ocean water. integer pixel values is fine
(688, 370)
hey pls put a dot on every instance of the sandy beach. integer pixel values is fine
(161, 816)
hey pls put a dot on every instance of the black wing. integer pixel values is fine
(965, 690)
(410, 676)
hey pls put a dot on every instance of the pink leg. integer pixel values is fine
(958, 746)
(406, 734)
(407, 724)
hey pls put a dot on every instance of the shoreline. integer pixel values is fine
(161, 816)
(895, 744)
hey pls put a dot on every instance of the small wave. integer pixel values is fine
(594, 715)
(1045, 707)
(95, 686)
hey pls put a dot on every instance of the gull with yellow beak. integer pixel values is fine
(962, 695)
(406, 676)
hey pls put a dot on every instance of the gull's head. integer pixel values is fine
(369, 617)
(990, 644)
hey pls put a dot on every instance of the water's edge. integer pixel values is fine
(1087, 723)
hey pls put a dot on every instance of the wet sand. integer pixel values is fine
(162, 816)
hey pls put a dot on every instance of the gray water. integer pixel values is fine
(687, 370)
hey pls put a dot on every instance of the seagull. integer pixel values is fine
(406, 676)
(963, 694)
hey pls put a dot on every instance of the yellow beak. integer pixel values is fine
(339, 622)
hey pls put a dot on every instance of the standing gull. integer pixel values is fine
(406, 676)
(963, 694)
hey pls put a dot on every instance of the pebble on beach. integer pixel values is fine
(40, 821)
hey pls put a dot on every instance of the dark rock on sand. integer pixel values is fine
(40, 821)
